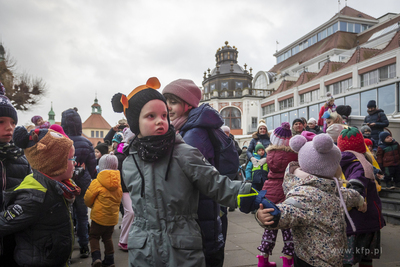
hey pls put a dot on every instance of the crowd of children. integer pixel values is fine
(159, 163)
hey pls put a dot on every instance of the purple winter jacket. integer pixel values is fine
(372, 220)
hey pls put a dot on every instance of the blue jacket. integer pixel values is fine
(84, 151)
(380, 120)
(195, 134)
(256, 138)
(257, 174)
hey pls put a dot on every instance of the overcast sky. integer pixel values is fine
(83, 47)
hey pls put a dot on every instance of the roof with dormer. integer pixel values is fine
(96, 121)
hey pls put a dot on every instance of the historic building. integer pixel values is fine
(352, 55)
(228, 88)
(95, 127)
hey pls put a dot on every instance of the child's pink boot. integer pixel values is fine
(263, 262)
(287, 262)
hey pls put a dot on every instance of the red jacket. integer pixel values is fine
(278, 157)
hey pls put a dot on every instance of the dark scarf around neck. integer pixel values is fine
(10, 151)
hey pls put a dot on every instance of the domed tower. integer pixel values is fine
(228, 89)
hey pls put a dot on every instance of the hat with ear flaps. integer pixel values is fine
(46, 150)
(132, 104)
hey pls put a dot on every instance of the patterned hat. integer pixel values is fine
(118, 137)
(6, 108)
(132, 104)
(319, 157)
(46, 150)
(281, 135)
(351, 139)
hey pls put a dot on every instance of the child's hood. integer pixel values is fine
(203, 116)
(295, 177)
(110, 179)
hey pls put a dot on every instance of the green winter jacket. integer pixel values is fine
(165, 231)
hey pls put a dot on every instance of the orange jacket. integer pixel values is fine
(104, 197)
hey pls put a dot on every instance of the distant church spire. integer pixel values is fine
(96, 108)
(51, 114)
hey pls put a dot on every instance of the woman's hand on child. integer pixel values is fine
(254, 160)
(264, 215)
(363, 208)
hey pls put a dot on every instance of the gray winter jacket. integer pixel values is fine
(165, 231)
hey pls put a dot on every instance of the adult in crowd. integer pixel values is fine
(122, 124)
(14, 168)
(376, 120)
(297, 126)
(312, 126)
(84, 153)
(261, 136)
(329, 105)
(227, 131)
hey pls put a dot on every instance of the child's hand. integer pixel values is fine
(363, 208)
(264, 215)
(380, 176)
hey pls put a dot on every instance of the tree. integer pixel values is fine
(22, 89)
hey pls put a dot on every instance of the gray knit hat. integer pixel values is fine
(185, 90)
(364, 128)
(108, 162)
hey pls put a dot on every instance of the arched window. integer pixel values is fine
(232, 117)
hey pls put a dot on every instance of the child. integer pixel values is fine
(388, 157)
(104, 196)
(37, 210)
(14, 168)
(366, 132)
(314, 207)
(334, 130)
(279, 155)
(191, 121)
(257, 173)
(117, 142)
(364, 241)
(164, 177)
(328, 106)
(100, 150)
(39, 122)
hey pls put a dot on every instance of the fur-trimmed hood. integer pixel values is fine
(255, 135)
(275, 147)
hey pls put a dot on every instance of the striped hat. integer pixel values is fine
(281, 135)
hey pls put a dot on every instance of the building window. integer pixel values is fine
(224, 85)
(284, 117)
(254, 122)
(268, 109)
(340, 87)
(92, 134)
(101, 134)
(365, 98)
(378, 75)
(293, 115)
(270, 123)
(239, 85)
(386, 99)
(277, 121)
(354, 102)
(232, 118)
(309, 97)
(285, 104)
(206, 89)
(97, 134)
(313, 111)
(212, 87)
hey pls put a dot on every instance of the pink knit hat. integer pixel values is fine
(185, 90)
(319, 157)
(281, 135)
(308, 135)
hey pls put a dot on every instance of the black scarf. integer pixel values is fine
(152, 148)
(10, 151)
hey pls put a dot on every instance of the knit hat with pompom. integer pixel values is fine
(351, 139)
(259, 146)
(319, 157)
(281, 135)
